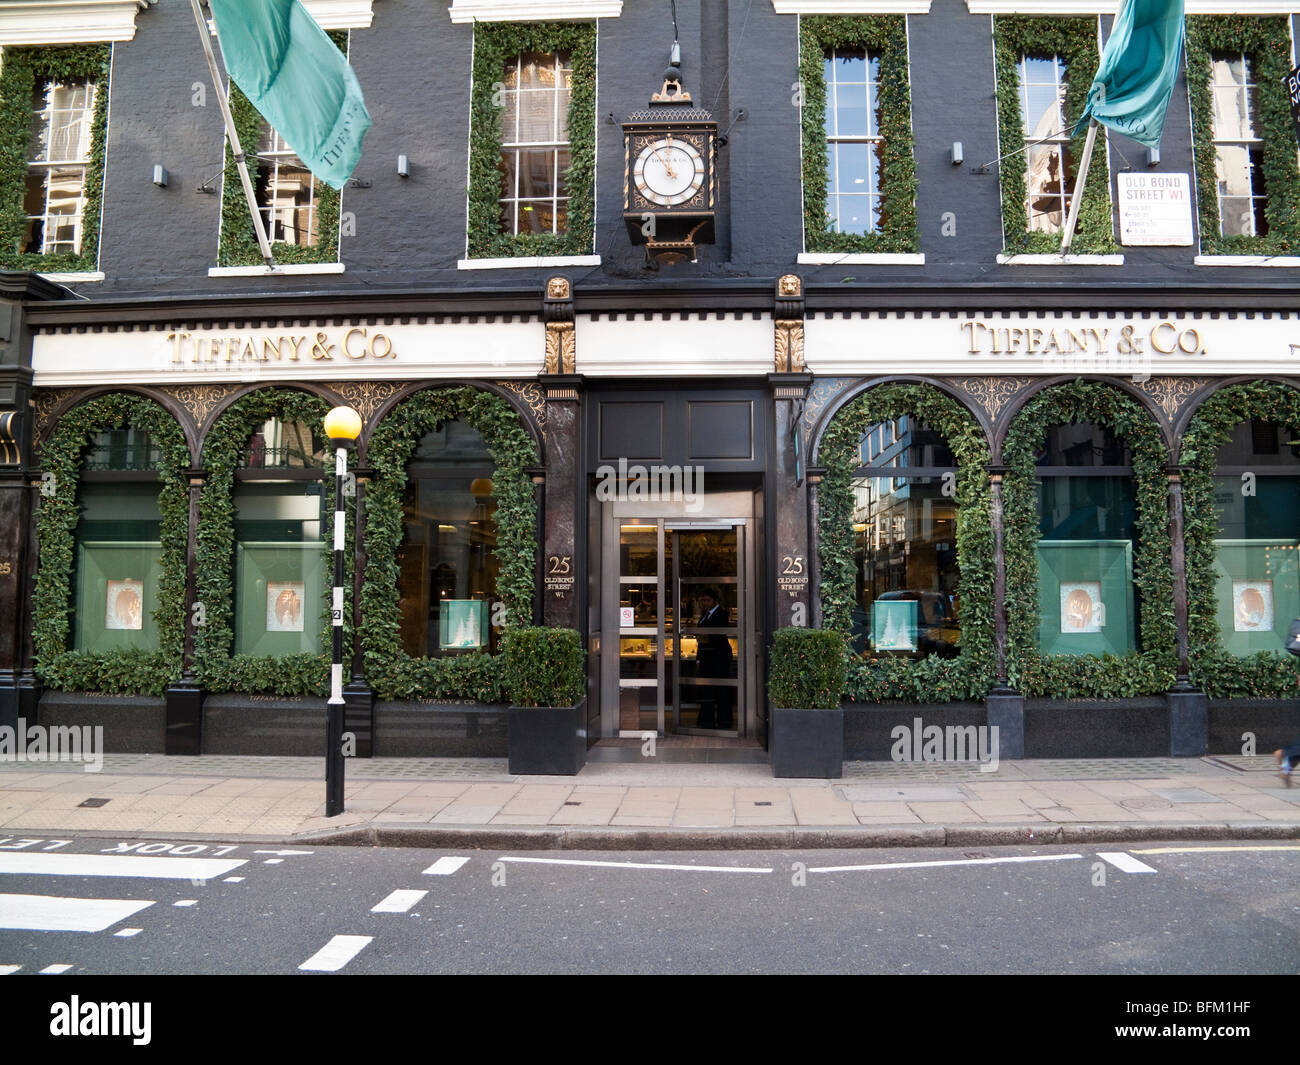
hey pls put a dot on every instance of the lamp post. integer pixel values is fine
(342, 426)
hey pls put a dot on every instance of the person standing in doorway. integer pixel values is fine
(715, 661)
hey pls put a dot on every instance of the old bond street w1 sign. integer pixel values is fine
(1155, 210)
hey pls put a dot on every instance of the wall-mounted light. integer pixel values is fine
(160, 175)
(403, 167)
(958, 155)
(1153, 157)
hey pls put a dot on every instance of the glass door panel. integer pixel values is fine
(707, 586)
(640, 625)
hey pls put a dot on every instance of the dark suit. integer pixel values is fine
(714, 660)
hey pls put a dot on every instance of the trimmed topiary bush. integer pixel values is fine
(543, 667)
(808, 669)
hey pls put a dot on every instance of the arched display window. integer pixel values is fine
(905, 543)
(1087, 511)
(118, 559)
(280, 575)
(447, 560)
(1257, 504)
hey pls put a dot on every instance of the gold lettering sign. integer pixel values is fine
(236, 352)
(1166, 338)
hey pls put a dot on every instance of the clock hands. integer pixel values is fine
(667, 165)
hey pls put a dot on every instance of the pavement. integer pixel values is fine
(476, 802)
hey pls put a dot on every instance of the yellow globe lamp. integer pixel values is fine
(343, 426)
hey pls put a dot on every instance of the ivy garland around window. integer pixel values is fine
(1075, 41)
(390, 671)
(238, 244)
(887, 36)
(22, 69)
(1267, 41)
(494, 45)
(126, 671)
(1149, 672)
(934, 679)
(216, 667)
(1223, 675)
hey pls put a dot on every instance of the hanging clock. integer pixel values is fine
(670, 178)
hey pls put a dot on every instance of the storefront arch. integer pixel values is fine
(1210, 427)
(971, 673)
(121, 670)
(389, 669)
(1150, 671)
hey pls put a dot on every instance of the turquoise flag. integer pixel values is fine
(298, 79)
(1131, 91)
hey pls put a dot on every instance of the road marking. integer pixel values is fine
(955, 861)
(445, 866)
(51, 913)
(640, 865)
(129, 932)
(1125, 863)
(272, 861)
(118, 865)
(233, 880)
(55, 970)
(399, 902)
(9, 970)
(335, 954)
(1193, 850)
(186, 902)
(287, 853)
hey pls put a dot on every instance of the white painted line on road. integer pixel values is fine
(955, 861)
(285, 853)
(186, 902)
(1193, 850)
(233, 880)
(335, 954)
(9, 970)
(273, 861)
(640, 865)
(399, 902)
(51, 913)
(55, 970)
(117, 865)
(1125, 863)
(129, 932)
(445, 866)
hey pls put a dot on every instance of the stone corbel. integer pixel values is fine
(788, 320)
(561, 339)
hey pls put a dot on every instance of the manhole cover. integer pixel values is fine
(93, 802)
(571, 802)
(763, 802)
(1146, 804)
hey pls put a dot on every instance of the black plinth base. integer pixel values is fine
(548, 740)
(184, 719)
(1189, 724)
(359, 718)
(1006, 710)
(807, 743)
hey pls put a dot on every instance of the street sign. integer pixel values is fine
(1155, 209)
(1293, 93)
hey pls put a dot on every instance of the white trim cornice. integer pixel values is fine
(526, 262)
(833, 258)
(1109, 7)
(851, 7)
(333, 14)
(532, 11)
(47, 22)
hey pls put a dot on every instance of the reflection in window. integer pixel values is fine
(1238, 148)
(447, 562)
(905, 543)
(535, 144)
(285, 192)
(118, 566)
(284, 445)
(1257, 499)
(853, 142)
(1049, 165)
(57, 159)
(1088, 525)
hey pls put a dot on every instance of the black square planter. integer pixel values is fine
(807, 743)
(548, 740)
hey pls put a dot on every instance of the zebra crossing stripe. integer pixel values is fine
(153, 868)
(9, 970)
(1125, 863)
(52, 913)
(399, 902)
(335, 954)
(445, 866)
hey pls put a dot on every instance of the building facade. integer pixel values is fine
(823, 365)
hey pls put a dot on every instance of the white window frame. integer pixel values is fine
(532, 11)
(874, 142)
(553, 146)
(1058, 144)
(49, 165)
(1246, 143)
(271, 160)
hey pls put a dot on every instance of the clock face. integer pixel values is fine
(669, 172)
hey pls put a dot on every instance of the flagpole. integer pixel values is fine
(1079, 183)
(235, 150)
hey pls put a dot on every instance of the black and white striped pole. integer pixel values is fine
(342, 426)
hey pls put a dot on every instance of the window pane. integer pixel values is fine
(851, 110)
(119, 565)
(1047, 204)
(536, 116)
(536, 173)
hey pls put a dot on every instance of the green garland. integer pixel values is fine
(1267, 42)
(23, 68)
(1075, 41)
(1147, 673)
(1223, 675)
(214, 664)
(123, 671)
(932, 679)
(238, 244)
(886, 35)
(494, 45)
(390, 671)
